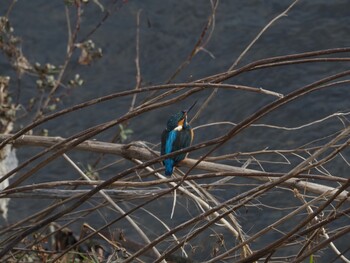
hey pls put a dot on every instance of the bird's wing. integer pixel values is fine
(163, 140)
(182, 140)
(168, 139)
(175, 140)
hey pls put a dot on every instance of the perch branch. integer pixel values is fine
(136, 152)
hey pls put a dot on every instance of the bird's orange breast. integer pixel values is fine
(181, 122)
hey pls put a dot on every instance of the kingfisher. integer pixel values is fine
(177, 135)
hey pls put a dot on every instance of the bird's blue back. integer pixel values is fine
(174, 140)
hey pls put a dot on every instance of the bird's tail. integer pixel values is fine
(169, 166)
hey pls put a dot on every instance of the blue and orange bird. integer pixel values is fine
(177, 135)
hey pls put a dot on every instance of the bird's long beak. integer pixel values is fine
(187, 111)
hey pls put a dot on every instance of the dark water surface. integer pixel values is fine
(168, 32)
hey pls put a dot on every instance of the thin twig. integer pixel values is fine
(284, 13)
(137, 60)
(117, 207)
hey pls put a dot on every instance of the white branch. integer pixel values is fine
(132, 151)
(117, 207)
